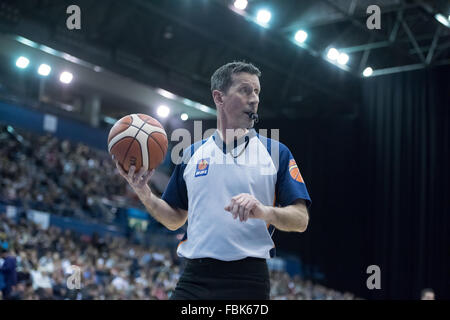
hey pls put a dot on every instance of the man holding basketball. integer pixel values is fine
(230, 201)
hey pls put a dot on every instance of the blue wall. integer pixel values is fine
(75, 224)
(33, 120)
(85, 228)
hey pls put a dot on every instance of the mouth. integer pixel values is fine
(249, 115)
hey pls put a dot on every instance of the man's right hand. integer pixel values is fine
(139, 180)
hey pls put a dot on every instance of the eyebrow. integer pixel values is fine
(248, 84)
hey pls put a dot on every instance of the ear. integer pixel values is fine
(218, 97)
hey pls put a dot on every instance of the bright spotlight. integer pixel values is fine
(343, 58)
(184, 116)
(240, 4)
(22, 62)
(44, 69)
(367, 72)
(66, 77)
(163, 111)
(301, 36)
(333, 54)
(441, 18)
(263, 16)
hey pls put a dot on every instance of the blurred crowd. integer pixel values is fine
(57, 176)
(285, 287)
(109, 268)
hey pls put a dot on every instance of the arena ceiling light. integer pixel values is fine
(44, 69)
(184, 116)
(333, 54)
(22, 62)
(343, 58)
(166, 94)
(163, 111)
(300, 36)
(66, 77)
(367, 72)
(441, 18)
(263, 16)
(240, 4)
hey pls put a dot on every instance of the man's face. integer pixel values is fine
(241, 99)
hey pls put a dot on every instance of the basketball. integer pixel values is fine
(138, 140)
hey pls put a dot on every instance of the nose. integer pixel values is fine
(254, 99)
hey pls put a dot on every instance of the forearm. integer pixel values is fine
(289, 218)
(159, 209)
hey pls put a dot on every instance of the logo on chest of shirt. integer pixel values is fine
(202, 167)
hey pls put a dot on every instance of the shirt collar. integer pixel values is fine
(234, 144)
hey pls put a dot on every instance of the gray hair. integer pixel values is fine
(221, 79)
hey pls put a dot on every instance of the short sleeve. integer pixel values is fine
(290, 185)
(176, 192)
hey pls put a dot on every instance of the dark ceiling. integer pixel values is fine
(177, 44)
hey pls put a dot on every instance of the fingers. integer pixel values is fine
(119, 168)
(241, 213)
(232, 208)
(235, 210)
(245, 209)
(135, 179)
(250, 207)
(131, 173)
(147, 175)
(241, 206)
(144, 178)
(241, 201)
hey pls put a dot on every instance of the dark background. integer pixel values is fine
(379, 181)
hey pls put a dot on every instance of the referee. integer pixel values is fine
(233, 190)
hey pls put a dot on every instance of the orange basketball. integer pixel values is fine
(139, 140)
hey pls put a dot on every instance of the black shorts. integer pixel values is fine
(211, 279)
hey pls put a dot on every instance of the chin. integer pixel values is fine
(245, 124)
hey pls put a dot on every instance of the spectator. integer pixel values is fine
(8, 271)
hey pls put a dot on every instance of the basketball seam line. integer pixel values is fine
(153, 131)
(134, 138)
(129, 125)
(150, 135)
(164, 154)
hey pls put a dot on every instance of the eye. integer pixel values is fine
(246, 90)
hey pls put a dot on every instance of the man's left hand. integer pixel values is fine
(246, 206)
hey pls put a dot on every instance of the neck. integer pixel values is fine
(229, 134)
